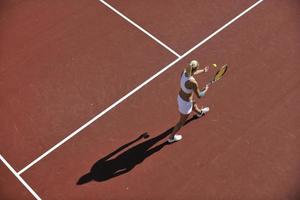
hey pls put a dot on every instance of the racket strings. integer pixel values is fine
(220, 73)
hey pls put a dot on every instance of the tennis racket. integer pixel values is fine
(219, 74)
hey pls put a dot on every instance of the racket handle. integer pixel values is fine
(211, 82)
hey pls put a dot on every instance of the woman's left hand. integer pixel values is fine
(206, 69)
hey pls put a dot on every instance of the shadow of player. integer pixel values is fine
(109, 167)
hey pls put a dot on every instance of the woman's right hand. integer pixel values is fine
(203, 91)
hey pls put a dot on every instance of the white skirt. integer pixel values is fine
(185, 107)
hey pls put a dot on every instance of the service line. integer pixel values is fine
(140, 28)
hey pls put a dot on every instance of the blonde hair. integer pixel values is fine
(192, 66)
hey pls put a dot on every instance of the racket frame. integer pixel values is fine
(214, 79)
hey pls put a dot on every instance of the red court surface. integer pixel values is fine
(62, 74)
(10, 187)
(181, 24)
(80, 58)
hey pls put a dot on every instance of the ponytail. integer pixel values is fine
(193, 65)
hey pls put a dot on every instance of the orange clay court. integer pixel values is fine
(88, 99)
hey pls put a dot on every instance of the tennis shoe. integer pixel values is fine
(203, 111)
(176, 138)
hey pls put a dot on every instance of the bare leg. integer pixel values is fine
(177, 127)
(196, 109)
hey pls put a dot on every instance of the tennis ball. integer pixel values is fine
(214, 65)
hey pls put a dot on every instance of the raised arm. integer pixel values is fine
(199, 71)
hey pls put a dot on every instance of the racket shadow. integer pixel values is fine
(120, 162)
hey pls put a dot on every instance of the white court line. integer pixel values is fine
(20, 178)
(140, 28)
(136, 89)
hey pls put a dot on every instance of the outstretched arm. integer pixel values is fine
(199, 71)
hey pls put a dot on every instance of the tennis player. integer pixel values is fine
(186, 103)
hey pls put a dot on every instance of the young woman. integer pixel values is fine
(186, 104)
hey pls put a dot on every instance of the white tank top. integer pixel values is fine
(183, 80)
